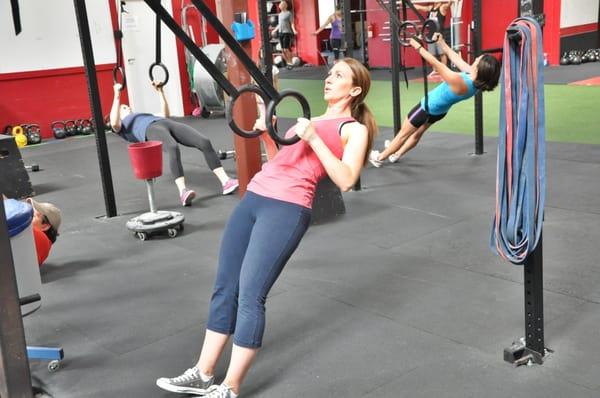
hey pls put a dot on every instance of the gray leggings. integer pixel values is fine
(172, 133)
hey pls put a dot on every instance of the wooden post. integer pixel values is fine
(248, 159)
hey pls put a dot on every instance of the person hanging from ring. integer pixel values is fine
(483, 74)
(139, 127)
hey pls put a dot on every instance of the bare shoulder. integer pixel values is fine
(354, 128)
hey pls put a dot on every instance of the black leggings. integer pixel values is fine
(171, 133)
(336, 44)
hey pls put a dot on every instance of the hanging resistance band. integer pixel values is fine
(118, 69)
(157, 59)
(521, 168)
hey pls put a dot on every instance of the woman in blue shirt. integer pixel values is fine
(139, 127)
(483, 74)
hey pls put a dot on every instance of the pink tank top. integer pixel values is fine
(292, 175)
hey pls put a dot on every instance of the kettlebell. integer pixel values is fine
(58, 129)
(84, 126)
(20, 137)
(70, 128)
(33, 134)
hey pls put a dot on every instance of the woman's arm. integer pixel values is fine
(454, 79)
(453, 56)
(344, 173)
(115, 117)
(420, 7)
(164, 105)
(327, 22)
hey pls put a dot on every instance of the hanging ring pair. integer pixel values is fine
(270, 113)
(409, 30)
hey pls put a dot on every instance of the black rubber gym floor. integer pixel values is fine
(400, 297)
(552, 75)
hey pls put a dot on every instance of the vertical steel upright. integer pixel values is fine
(267, 52)
(532, 349)
(476, 27)
(346, 12)
(363, 39)
(396, 67)
(94, 95)
(15, 377)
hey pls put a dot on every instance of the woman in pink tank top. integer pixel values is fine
(269, 222)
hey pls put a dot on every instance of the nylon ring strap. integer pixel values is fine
(158, 56)
(118, 68)
(521, 167)
(16, 14)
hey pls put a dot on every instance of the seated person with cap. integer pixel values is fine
(45, 223)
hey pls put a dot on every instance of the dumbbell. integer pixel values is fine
(34, 167)
(226, 154)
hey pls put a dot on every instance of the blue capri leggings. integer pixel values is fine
(261, 235)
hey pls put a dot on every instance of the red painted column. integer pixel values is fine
(552, 30)
(306, 14)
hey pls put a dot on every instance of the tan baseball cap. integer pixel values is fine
(51, 212)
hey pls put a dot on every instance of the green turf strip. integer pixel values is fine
(572, 112)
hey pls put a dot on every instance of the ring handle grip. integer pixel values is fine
(151, 73)
(249, 88)
(271, 112)
(118, 70)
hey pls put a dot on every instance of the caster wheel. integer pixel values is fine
(172, 232)
(53, 366)
(142, 236)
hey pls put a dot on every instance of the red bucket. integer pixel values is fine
(146, 159)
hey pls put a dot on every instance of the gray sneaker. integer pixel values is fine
(190, 382)
(220, 391)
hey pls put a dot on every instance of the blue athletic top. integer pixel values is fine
(134, 126)
(442, 97)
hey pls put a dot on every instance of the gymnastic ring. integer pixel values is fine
(248, 88)
(271, 112)
(151, 73)
(115, 72)
(404, 35)
(434, 27)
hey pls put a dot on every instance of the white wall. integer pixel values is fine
(139, 26)
(49, 39)
(578, 12)
(326, 8)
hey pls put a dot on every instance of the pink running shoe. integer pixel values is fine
(187, 196)
(230, 186)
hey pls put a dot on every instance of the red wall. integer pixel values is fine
(45, 96)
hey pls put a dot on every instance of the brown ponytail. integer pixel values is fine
(360, 110)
